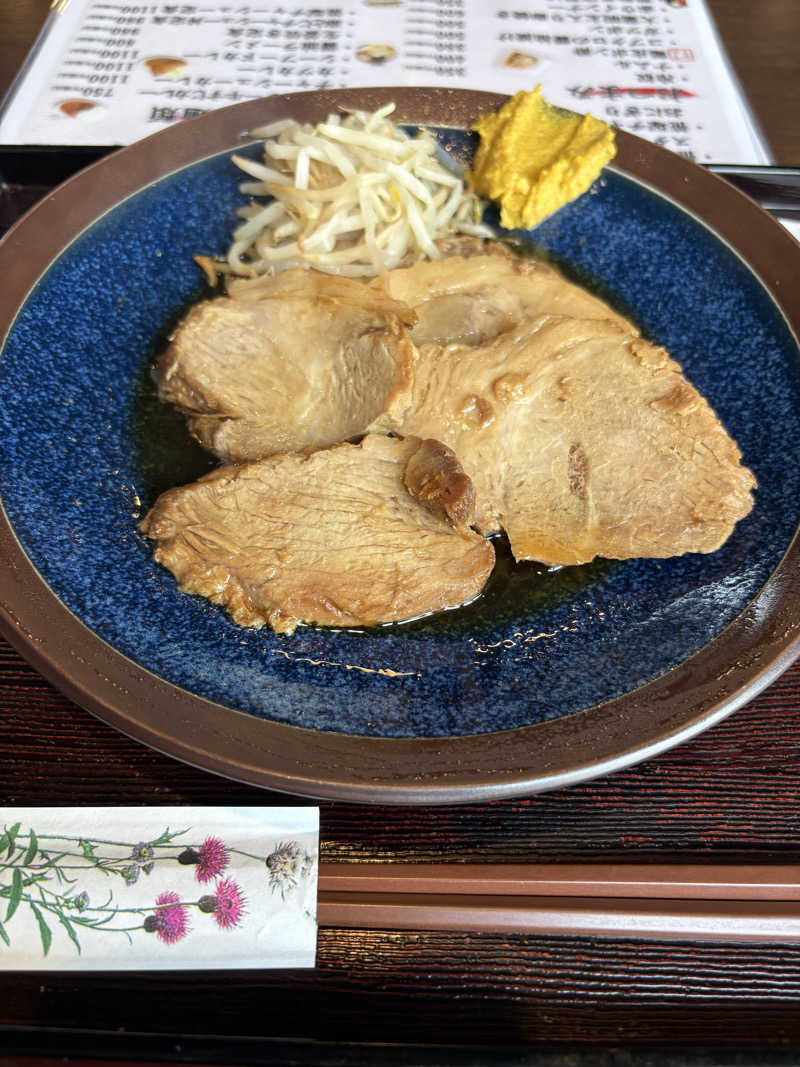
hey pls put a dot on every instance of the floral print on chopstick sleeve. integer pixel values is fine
(77, 886)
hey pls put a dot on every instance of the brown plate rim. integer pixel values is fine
(726, 673)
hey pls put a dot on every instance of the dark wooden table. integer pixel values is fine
(731, 795)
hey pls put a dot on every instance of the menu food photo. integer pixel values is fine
(108, 72)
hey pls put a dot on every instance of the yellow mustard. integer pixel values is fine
(534, 158)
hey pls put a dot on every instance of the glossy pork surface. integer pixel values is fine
(293, 363)
(349, 536)
(477, 290)
(582, 440)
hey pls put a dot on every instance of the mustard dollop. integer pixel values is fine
(533, 157)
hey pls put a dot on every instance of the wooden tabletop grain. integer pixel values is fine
(731, 795)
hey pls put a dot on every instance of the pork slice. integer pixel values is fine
(454, 402)
(297, 362)
(581, 441)
(625, 458)
(473, 294)
(334, 538)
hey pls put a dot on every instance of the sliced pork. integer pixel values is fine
(582, 440)
(477, 290)
(353, 535)
(525, 404)
(291, 363)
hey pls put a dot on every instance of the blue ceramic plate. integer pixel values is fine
(454, 707)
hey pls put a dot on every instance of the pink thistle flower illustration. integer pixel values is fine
(213, 859)
(210, 859)
(170, 920)
(227, 905)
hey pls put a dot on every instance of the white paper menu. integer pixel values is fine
(108, 72)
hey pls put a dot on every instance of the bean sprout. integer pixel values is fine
(355, 195)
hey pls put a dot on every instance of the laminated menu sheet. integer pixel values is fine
(108, 72)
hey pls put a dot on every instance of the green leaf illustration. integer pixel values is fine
(87, 848)
(4, 935)
(33, 848)
(168, 836)
(3, 841)
(71, 931)
(44, 929)
(15, 896)
(12, 838)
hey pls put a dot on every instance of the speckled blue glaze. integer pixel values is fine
(71, 479)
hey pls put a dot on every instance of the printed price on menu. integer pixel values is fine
(107, 72)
